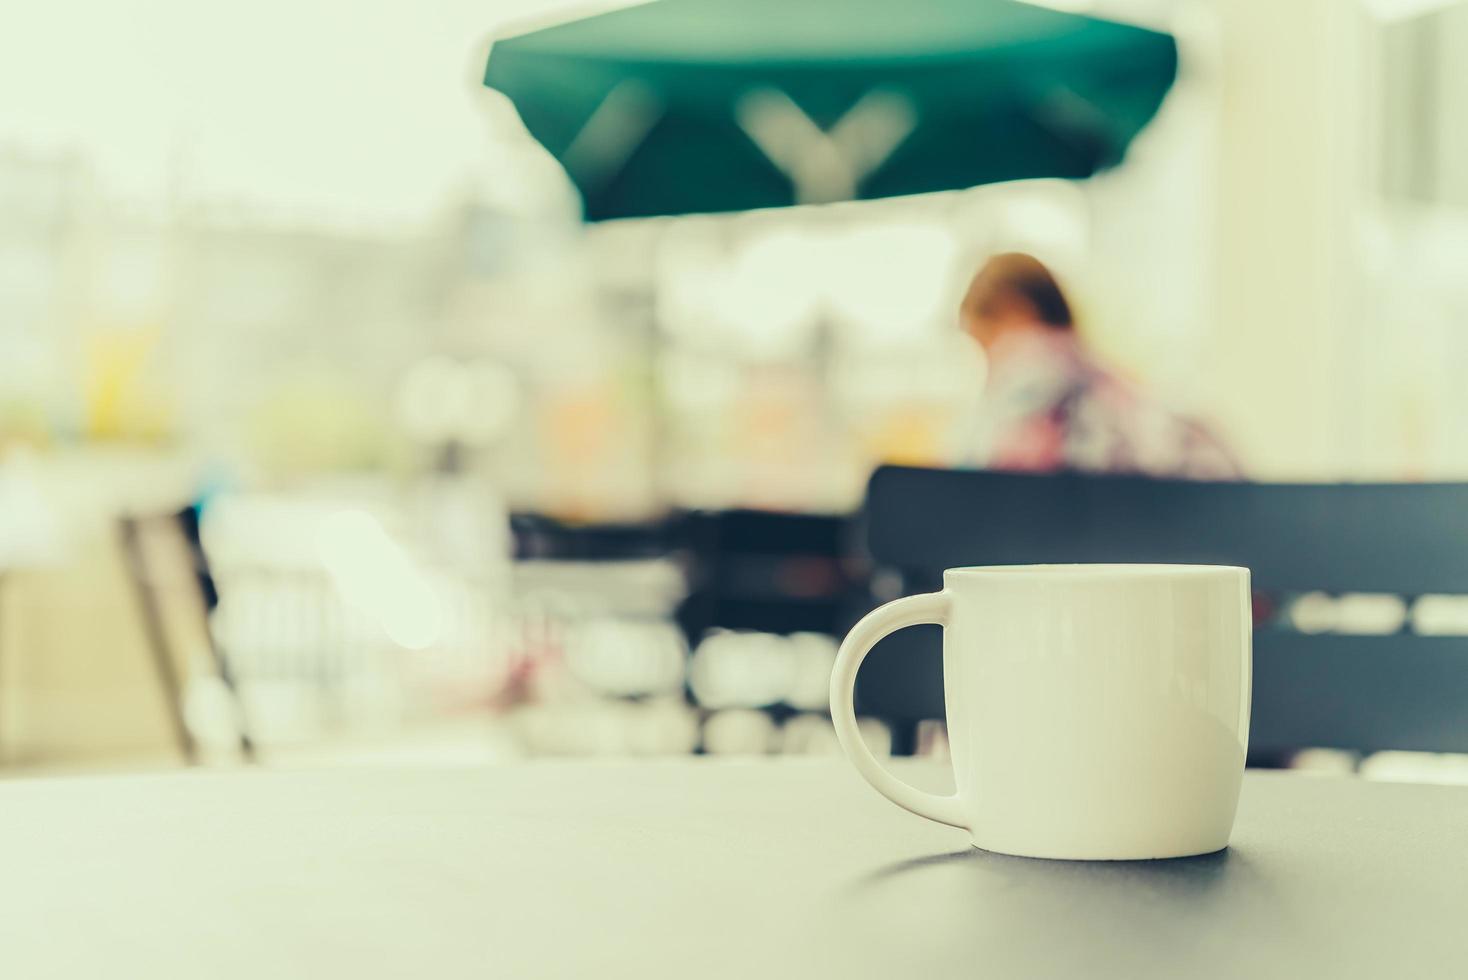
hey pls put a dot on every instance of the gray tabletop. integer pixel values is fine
(699, 869)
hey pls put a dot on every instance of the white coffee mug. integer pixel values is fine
(1094, 711)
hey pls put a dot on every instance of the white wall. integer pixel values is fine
(356, 113)
(1283, 356)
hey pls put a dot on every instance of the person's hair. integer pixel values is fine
(1015, 275)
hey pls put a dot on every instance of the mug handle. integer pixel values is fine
(931, 607)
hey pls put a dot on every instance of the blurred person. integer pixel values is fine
(1049, 405)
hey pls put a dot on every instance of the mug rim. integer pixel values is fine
(1071, 571)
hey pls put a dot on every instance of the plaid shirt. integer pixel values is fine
(1048, 406)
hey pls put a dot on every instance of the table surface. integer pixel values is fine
(698, 869)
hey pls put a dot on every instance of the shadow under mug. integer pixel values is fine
(1094, 711)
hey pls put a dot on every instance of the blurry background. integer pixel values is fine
(472, 479)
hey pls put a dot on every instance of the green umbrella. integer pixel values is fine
(686, 106)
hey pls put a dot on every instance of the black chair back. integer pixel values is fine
(1396, 691)
(544, 538)
(768, 571)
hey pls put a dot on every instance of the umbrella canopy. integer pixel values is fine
(686, 106)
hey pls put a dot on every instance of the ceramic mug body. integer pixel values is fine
(1094, 711)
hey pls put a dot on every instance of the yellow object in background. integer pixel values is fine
(124, 396)
(910, 435)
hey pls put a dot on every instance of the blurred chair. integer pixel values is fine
(768, 571)
(545, 538)
(1399, 690)
(747, 569)
(151, 588)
